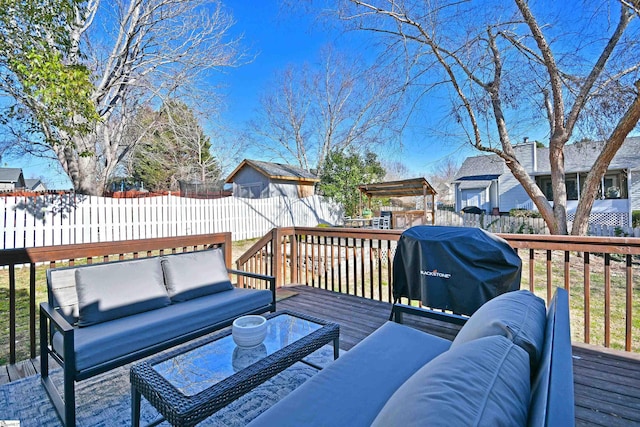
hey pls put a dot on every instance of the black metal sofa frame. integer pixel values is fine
(53, 318)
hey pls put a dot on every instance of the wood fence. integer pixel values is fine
(61, 219)
(600, 273)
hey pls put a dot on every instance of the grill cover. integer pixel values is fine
(454, 268)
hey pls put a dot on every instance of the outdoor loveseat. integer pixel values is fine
(102, 316)
(509, 365)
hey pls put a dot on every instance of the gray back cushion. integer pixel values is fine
(195, 274)
(484, 382)
(519, 316)
(113, 290)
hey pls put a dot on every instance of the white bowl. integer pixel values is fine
(249, 331)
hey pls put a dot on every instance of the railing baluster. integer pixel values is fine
(362, 275)
(33, 309)
(12, 313)
(346, 266)
(629, 305)
(607, 300)
(327, 255)
(531, 270)
(567, 275)
(371, 292)
(389, 271)
(549, 275)
(587, 298)
(333, 260)
(340, 264)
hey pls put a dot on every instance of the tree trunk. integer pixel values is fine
(558, 184)
(626, 124)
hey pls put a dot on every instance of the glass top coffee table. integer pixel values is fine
(191, 382)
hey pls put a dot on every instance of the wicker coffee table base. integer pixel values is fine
(181, 410)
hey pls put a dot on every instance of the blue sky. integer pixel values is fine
(278, 39)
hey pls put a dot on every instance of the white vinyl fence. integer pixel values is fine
(54, 219)
(521, 225)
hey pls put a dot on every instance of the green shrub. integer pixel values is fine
(523, 213)
(635, 219)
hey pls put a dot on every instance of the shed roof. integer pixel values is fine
(275, 171)
(403, 188)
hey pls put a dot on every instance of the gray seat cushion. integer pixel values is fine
(194, 274)
(353, 389)
(113, 290)
(106, 341)
(484, 382)
(519, 316)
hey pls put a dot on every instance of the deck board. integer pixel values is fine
(607, 382)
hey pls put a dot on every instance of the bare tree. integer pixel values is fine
(140, 52)
(343, 104)
(508, 64)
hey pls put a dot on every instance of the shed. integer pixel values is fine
(404, 188)
(255, 179)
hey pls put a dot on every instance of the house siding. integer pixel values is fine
(282, 188)
(512, 194)
(633, 180)
(250, 184)
(526, 154)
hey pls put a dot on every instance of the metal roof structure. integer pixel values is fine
(403, 188)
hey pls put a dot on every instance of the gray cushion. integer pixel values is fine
(519, 316)
(194, 274)
(484, 382)
(113, 290)
(353, 389)
(109, 340)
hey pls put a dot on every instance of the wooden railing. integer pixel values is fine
(35, 260)
(598, 272)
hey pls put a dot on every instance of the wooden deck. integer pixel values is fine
(607, 382)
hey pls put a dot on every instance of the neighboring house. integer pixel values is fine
(11, 179)
(485, 181)
(445, 192)
(257, 180)
(34, 185)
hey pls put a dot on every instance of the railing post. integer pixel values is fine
(293, 256)
(276, 256)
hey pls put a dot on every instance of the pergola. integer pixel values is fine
(403, 188)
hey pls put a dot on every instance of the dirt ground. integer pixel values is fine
(240, 247)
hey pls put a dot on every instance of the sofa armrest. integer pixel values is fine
(553, 398)
(57, 320)
(399, 309)
(51, 318)
(270, 279)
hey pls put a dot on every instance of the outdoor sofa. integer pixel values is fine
(509, 365)
(102, 316)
